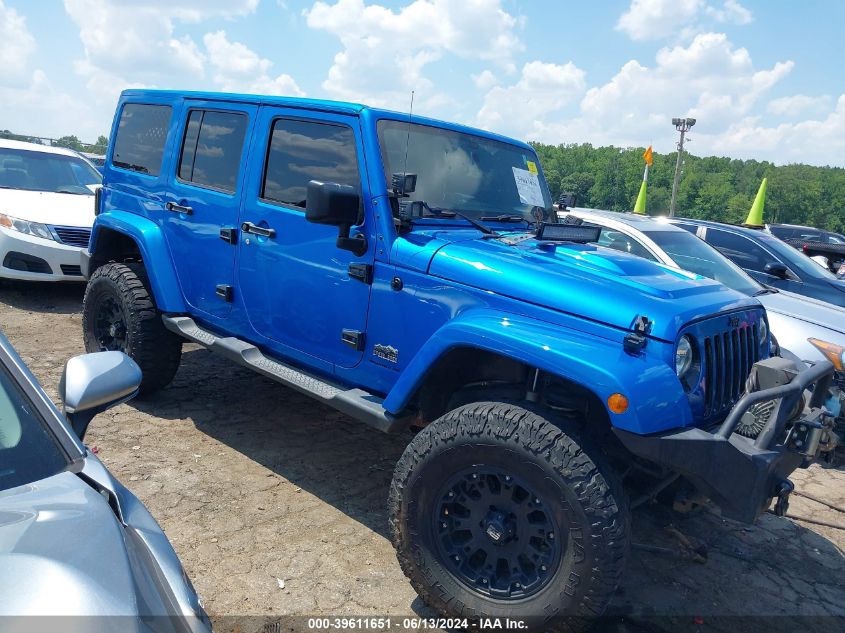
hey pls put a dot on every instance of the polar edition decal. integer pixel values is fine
(386, 352)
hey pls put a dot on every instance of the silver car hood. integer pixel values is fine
(62, 552)
(806, 309)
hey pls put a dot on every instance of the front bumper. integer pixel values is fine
(29, 258)
(739, 474)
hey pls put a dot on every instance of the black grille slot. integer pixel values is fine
(70, 269)
(728, 358)
(73, 235)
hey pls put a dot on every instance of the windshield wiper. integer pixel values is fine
(765, 290)
(506, 218)
(434, 212)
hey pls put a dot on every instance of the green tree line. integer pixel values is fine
(711, 188)
(71, 142)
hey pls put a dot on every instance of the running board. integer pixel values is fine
(356, 403)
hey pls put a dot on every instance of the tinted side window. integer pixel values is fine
(739, 249)
(782, 232)
(140, 139)
(620, 242)
(301, 151)
(692, 228)
(28, 451)
(212, 148)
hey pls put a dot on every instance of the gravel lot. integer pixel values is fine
(276, 505)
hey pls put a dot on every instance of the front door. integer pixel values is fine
(752, 258)
(296, 284)
(204, 201)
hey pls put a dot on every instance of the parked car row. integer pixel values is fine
(412, 274)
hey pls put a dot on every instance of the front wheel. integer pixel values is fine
(119, 313)
(495, 512)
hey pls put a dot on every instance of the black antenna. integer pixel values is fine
(408, 138)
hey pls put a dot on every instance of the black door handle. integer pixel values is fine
(178, 208)
(249, 227)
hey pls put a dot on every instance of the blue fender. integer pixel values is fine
(153, 246)
(656, 399)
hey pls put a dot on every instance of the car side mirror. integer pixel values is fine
(92, 383)
(337, 205)
(776, 269)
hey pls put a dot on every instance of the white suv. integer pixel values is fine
(46, 211)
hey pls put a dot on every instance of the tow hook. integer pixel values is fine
(784, 489)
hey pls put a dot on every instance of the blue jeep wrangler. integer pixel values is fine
(410, 273)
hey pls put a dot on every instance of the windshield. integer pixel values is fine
(28, 451)
(468, 174)
(794, 258)
(42, 171)
(694, 255)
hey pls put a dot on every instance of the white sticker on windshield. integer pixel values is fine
(528, 186)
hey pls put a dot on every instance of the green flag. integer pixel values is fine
(755, 216)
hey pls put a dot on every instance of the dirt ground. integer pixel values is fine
(276, 504)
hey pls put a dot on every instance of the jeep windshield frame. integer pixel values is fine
(463, 173)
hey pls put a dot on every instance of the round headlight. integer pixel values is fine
(683, 356)
(763, 331)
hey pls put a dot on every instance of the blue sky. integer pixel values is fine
(761, 77)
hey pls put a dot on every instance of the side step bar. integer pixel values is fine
(357, 403)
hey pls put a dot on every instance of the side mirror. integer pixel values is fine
(337, 205)
(776, 269)
(92, 383)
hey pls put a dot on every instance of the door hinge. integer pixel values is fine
(224, 292)
(353, 338)
(361, 272)
(229, 234)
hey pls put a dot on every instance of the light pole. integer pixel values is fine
(683, 126)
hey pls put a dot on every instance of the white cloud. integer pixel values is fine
(819, 141)
(194, 10)
(655, 19)
(485, 80)
(541, 90)
(673, 19)
(39, 108)
(16, 45)
(731, 11)
(709, 79)
(385, 52)
(240, 69)
(798, 104)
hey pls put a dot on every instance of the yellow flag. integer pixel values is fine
(649, 160)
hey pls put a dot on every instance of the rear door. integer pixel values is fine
(204, 201)
(300, 290)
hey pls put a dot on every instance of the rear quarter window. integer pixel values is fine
(141, 136)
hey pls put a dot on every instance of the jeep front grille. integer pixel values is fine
(728, 358)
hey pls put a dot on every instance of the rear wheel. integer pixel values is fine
(119, 313)
(497, 512)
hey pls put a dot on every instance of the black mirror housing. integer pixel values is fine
(776, 269)
(332, 203)
(337, 205)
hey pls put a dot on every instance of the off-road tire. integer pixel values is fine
(587, 495)
(156, 349)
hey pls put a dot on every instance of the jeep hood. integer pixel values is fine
(61, 209)
(586, 280)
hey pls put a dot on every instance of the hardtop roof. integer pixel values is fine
(319, 105)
